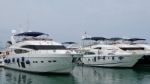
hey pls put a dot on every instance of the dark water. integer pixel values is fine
(80, 75)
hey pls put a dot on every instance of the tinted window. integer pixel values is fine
(19, 51)
(45, 47)
(89, 53)
(130, 48)
(98, 48)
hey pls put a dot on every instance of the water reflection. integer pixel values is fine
(88, 75)
(80, 75)
(8, 76)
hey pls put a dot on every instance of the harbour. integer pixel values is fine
(30, 56)
(80, 75)
(74, 42)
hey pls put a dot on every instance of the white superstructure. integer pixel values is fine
(146, 47)
(36, 52)
(134, 45)
(105, 55)
(129, 46)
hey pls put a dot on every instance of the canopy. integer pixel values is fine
(87, 38)
(69, 43)
(98, 38)
(116, 39)
(135, 39)
(34, 34)
(95, 38)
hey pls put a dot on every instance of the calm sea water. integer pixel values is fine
(80, 75)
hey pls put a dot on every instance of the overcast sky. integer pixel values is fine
(67, 20)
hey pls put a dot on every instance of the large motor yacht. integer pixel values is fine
(36, 52)
(104, 55)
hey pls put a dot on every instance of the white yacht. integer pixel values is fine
(36, 52)
(104, 55)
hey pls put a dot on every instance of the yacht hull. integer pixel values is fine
(144, 61)
(1, 62)
(41, 63)
(111, 61)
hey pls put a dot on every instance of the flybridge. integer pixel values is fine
(113, 39)
(28, 36)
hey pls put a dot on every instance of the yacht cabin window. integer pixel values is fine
(89, 53)
(44, 47)
(132, 48)
(98, 48)
(20, 51)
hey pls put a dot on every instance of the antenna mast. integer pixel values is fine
(28, 23)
